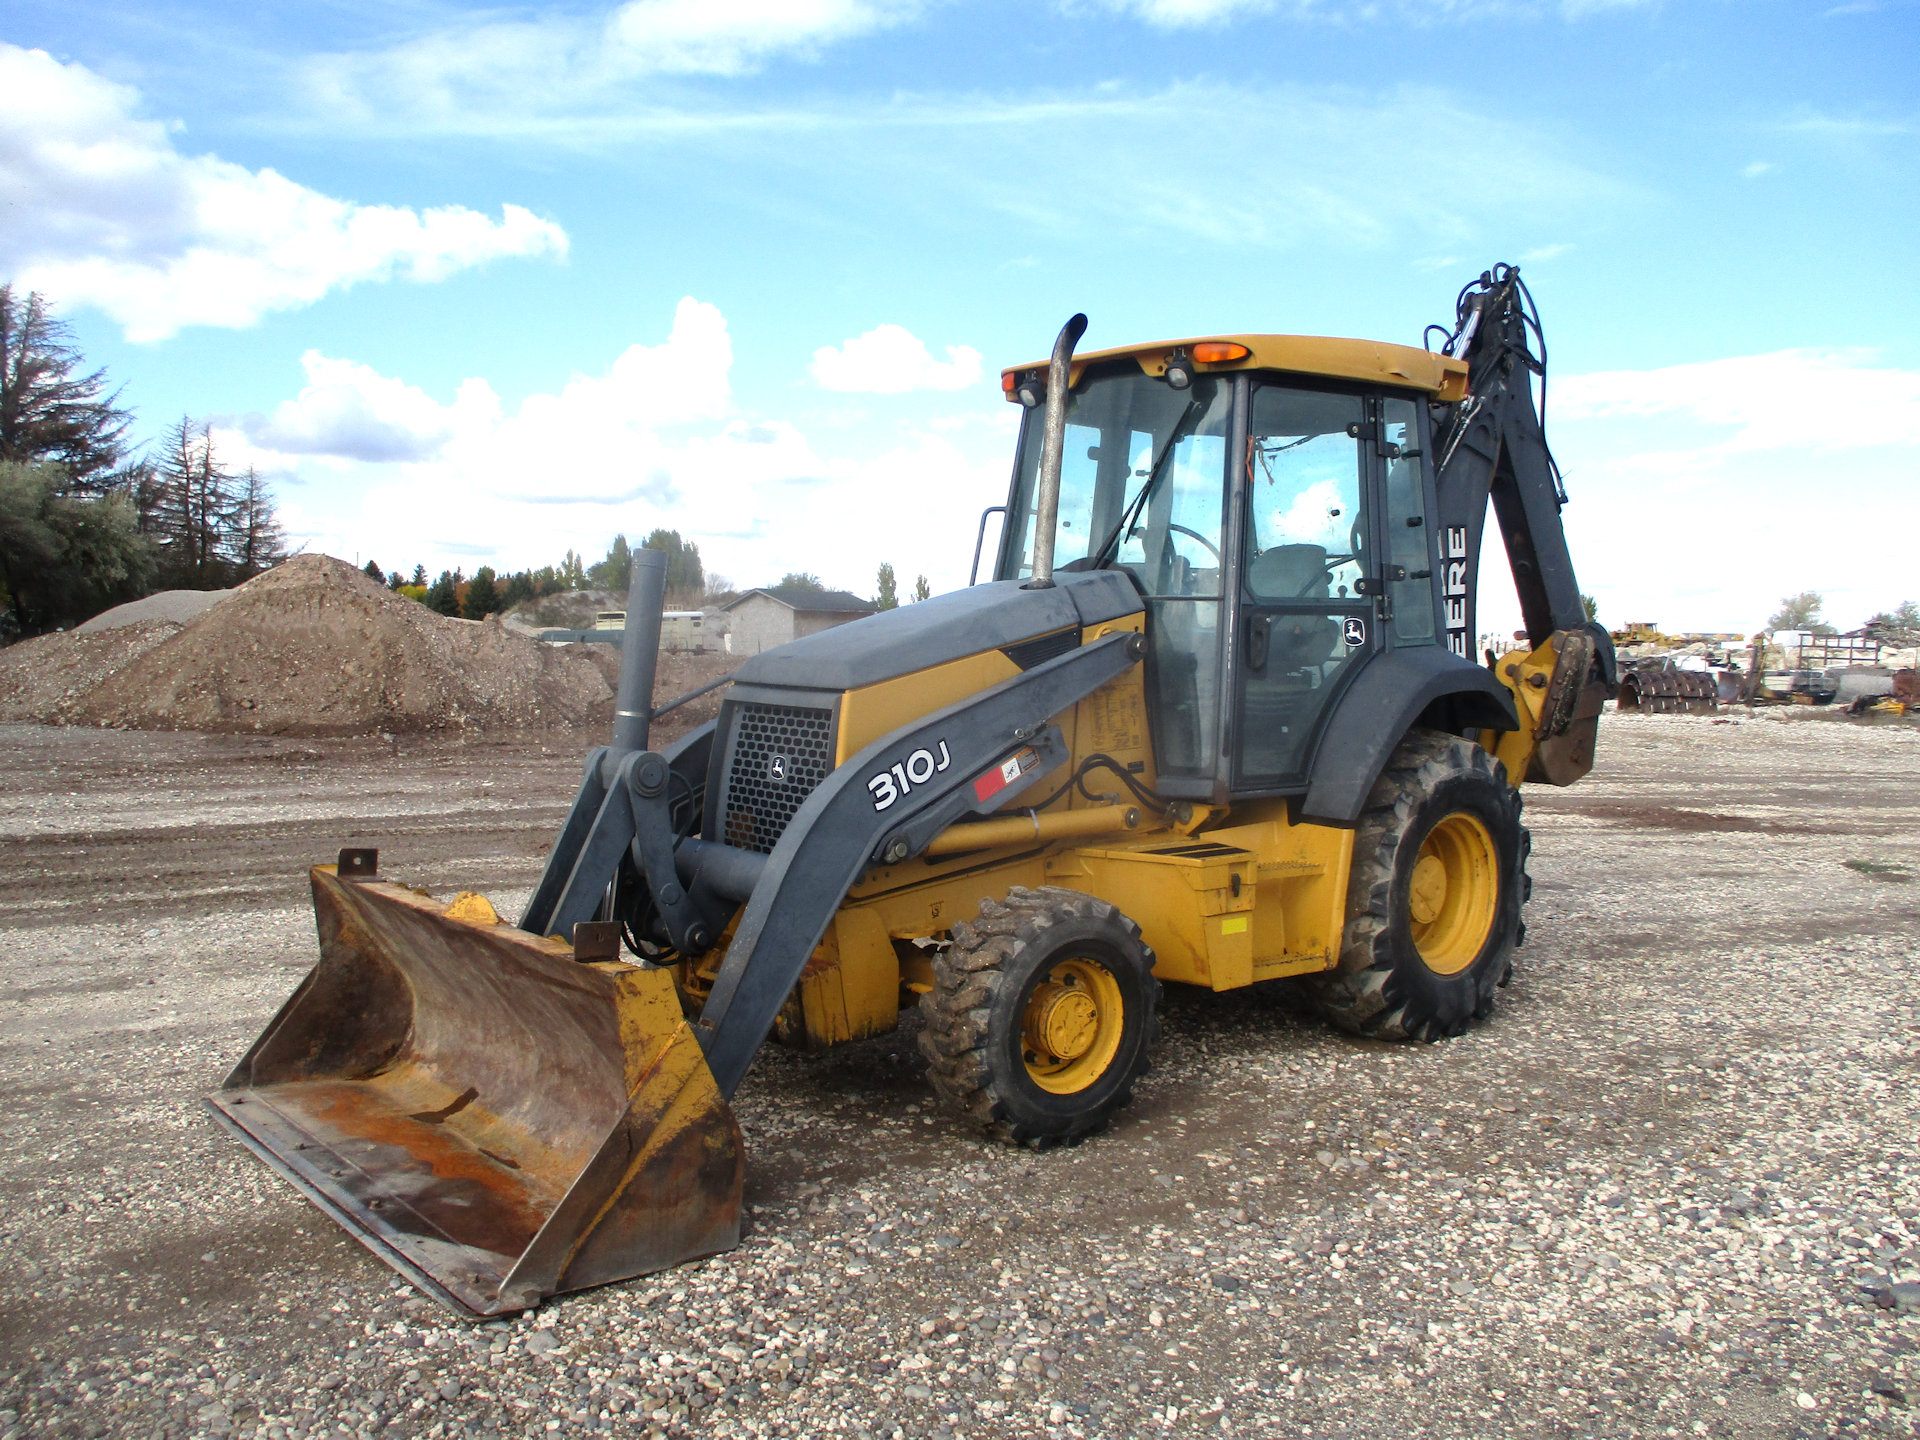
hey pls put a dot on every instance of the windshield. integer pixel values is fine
(1143, 483)
(1142, 479)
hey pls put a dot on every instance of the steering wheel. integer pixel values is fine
(1211, 548)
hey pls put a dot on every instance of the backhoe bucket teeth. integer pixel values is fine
(496, 1119)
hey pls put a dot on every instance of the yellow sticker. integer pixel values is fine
(1233, 925)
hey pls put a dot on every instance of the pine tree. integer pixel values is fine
(196, 511)
(444, 594)
(616, 571)
(49, 412)
(419, 576)
(258, 542)
(483, 595)
(686, 576)
(374, 573)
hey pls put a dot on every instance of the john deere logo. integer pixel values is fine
(777, 769)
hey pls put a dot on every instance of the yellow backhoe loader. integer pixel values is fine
(1215, 721)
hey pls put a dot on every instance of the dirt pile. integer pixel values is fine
(312, 647)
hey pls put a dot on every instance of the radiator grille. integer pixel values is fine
(780, 753)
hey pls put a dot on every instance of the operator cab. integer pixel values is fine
(1279, 523)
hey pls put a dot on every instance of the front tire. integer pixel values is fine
(1041, 1016)
(1433, 905)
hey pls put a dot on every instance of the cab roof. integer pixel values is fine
(1367, 361)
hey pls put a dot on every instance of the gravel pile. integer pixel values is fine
(312, 647)
(52, 678)
(1668, 1191)
(173, 607)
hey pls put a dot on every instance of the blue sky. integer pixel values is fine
(477, 284)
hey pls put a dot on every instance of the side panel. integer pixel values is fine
(1385, 700)
(875, 710)
(1255, 901)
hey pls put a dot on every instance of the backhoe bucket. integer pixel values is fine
(495, 1118)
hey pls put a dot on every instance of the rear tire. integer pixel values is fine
(1433, 905)
(1041, 1016)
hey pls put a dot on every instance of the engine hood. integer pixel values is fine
(946, 627)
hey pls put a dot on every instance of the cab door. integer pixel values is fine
(1309, 585)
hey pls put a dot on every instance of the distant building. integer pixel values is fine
(762, 619)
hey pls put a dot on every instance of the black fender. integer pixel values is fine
(1394, 692)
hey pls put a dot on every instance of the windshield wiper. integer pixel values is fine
(1110, 547)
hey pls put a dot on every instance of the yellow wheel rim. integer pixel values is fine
(1454, 894)
(1070, 1029)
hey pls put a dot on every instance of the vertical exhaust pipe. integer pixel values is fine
(1053, 444)
(639, 652)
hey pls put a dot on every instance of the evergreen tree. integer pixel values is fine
(65, 557)
(888, 597)
(444, 594)
(196, 511)
(375, 573)
(519, 590)
(686, 576)
(616, 571)
(483, 595)
(50, 412)
(419, 576)
(258, 542)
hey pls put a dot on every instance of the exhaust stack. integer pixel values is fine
(1053, 444)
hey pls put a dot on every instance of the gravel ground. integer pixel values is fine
(1669, 1190)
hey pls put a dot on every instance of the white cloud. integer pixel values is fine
(353, 412)
(559, 61)
(103, 210)
(1541, 253)
(370, 465)
(1843, 128)
(891, 360)
(1180, 14)
(1703, 492)
(1821, 400)
(1177, 14)
(1755, 169)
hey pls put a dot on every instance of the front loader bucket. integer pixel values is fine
(496, 1119)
